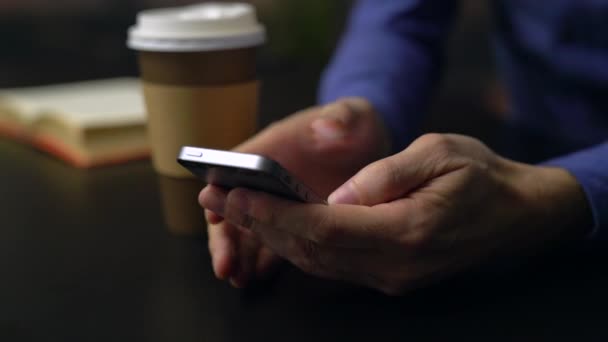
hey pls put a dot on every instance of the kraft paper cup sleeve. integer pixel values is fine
(208, 116)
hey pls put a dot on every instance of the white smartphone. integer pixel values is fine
(232, 169)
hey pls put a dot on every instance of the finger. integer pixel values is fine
(346, 250)
(241, 264)
(332, 263)
(210, 215)
(267, 263)
(318, 129)
(340, 138)
(362, 267)
(337, 225)
(222, 249)
(213, 218)
(247, 253)
(222, 240)
(395, 176)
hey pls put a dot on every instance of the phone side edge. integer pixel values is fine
(225, 158)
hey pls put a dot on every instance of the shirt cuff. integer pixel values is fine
(590, 168)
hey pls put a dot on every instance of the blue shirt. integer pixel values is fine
(552, 55)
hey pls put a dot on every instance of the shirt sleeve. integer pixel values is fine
(590, 168)
(391, 54)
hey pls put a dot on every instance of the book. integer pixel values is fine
(86, 124)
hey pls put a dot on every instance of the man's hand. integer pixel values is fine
(440, 206)
(322, 147)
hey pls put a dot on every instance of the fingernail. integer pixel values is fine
(345, 194)
(334, 121)
(328, 129)
(213, 200)
(338, 111)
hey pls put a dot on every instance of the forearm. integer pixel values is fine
(391, 55)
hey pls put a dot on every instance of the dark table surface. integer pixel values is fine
(85, 256)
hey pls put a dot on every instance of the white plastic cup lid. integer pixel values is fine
(201, 27)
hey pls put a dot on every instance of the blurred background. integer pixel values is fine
(67, 40)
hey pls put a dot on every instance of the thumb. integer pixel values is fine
(383, 181)
(319, 129)
(336, 121)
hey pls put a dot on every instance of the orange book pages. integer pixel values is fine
(79, 159)
(86, 124)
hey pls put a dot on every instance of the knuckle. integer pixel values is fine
(477, 169)
(249, 212)
(325, 231)
(430, 138)
(419, 234)
(391, 172)
(419, 237)
(307, 258)
(242, 220)
(386, 171)
(320, 236)
(436, 138)
(310, 252)
(437, 142)
(264, 216)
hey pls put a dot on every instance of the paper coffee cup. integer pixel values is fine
(197, 65)
(198, 71)
(180, 206)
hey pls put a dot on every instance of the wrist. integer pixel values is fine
(557, 208)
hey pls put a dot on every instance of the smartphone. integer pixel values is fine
(232, 169)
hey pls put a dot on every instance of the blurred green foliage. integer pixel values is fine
(303, 30)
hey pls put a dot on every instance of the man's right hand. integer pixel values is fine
(322, 147)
